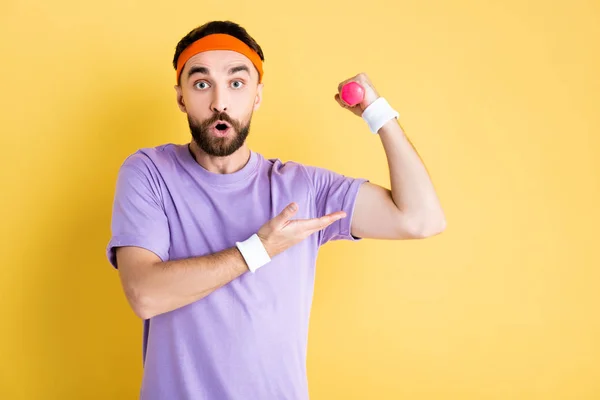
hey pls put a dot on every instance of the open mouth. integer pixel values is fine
(221, 128)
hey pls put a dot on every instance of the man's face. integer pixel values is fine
(219, 92)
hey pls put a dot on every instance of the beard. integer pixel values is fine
(219, 146)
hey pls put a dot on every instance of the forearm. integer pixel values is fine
(412, 189)
(166, 286)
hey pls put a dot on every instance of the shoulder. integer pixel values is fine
(289, 169)
(151, 159)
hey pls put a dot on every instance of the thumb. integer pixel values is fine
(287, 213)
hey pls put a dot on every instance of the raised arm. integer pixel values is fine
(411, 208)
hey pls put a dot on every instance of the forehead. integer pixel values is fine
(218, 60)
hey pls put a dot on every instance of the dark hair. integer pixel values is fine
(227, 27)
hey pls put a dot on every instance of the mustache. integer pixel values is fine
(221, 116)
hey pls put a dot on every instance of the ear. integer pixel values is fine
(258, 98)
(180, 101)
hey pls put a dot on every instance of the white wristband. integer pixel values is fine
(378, 113)
(254, 252)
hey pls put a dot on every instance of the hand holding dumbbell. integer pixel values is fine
(356, 94)
(363, 100)
(352, 93)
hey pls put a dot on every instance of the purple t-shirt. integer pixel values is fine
(247, 339)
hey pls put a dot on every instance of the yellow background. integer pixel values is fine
(501, 99)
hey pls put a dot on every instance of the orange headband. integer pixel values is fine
(219, 41)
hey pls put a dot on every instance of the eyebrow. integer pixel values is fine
(203, 70)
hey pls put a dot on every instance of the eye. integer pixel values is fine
(237, 84)
(201, 85)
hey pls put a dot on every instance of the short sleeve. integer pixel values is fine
(334, 192)
(138, 217)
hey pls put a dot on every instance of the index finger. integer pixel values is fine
(315, 224)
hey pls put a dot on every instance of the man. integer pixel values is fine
(216, 245)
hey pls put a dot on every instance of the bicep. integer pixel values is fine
(376, 215)
(133, 265)
(132, 260)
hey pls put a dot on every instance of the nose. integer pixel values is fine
(219, 101)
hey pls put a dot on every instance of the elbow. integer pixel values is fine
(142, 311)
(142, 304)
(433, 228)
(425, 226)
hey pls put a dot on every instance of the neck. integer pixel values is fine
(221, 165)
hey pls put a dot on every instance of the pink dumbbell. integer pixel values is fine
(352, 93)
